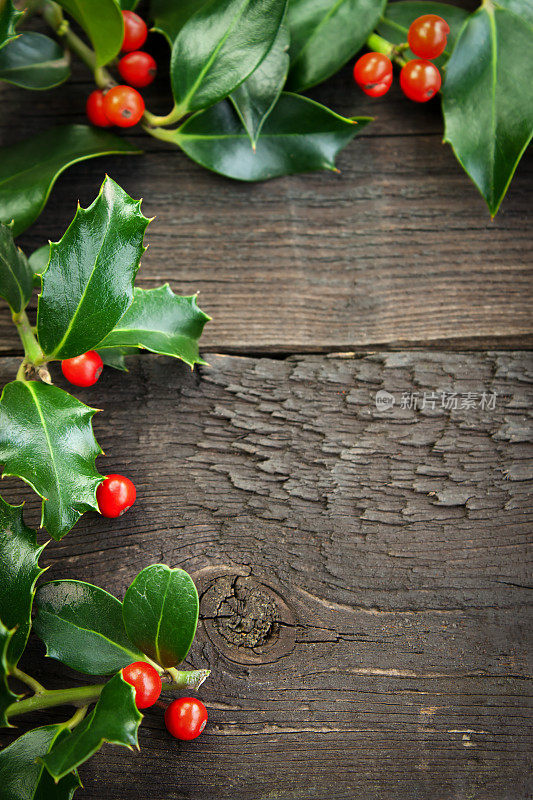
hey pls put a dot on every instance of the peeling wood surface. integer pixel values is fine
(363, 573)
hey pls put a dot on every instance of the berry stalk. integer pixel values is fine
(32, 350)
(378, 44)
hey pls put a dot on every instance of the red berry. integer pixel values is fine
(185, 718)
(95, 109)
(135, 32)
(83, 370)
(137, 68)
(373, 73)
(427, 36)
(146, 682)
(420, 80)
(123, 106)
(115, 495)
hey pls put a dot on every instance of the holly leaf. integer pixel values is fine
(8, 19)
(162, 322)
(397, 18)
(170, 17)
(29, 169)
(298, 136)
(38, 262)
(16, 278)
(81, 625)
(325, 34)
(219, 46)
(19, 557)
(115, 719)
(160, 612)
(23, 778)
(114, 357)
(102, 22)
(6, 695)
(487, 98)
(256, 97)
(129, 5)
(46, 438)
(88, 284)
(34, 61)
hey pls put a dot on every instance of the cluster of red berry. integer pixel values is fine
(185, 717)
(116, 493)
(420, 79)
(122, 105)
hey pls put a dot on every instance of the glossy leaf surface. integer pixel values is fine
(38, 260)
(46, 438)
(81, 625)
(6, 695)
(398, 17)
(160, 613)
(219, 47)
(487, 98)
(8, 19)
(325, 34)
(22, 777)
(170, 16)
(16, 276)
(34, 61)
(115, 719)
(102, 22)
(19, 560)
(27, 176)
(298, 136)
(88, 284)
(256, 97)
(162, 322)
(114, 357)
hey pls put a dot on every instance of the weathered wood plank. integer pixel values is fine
(363, 573)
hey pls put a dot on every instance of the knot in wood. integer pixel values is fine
(247, 616)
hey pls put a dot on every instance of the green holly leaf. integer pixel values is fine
(325, 35)
(6, 695)
(102, 22)
(129, 5)
(114, 356)
(88, 284)
(170, 17)
(397, 18)
(19, 557)
(8, 19)
(162, 322)
(34, 61)
(256, 97)
(487, 98)
(298, 136)
(160, 613)
(81, 625)
(115, 719)
(16, 278)
(46, 438)
(22, 777)
(219, 46)
(29, 169)
(38, 262)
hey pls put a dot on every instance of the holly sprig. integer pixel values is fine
(87, 301)
(237, 70)
(90, 631)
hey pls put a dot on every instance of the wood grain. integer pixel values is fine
(364, 574)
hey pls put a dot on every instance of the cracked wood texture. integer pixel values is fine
(363, 572)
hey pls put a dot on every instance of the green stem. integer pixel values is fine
(76, 718)
(378, 44)
(77, 696)
(34, 685)
(32, 350)
(186, 679)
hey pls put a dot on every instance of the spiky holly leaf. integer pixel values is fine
(22, 777)
(88, 283)
(8, 19)
(115, 719)
(34, 61)
(162, 322)
(6, 695)
(19, 559)
(46, 438)
(16, 277)
(102, 22)
(160, 611)
(81, 625)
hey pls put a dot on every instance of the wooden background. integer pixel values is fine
(363, 573)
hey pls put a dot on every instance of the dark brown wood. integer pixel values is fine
(363, 573)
